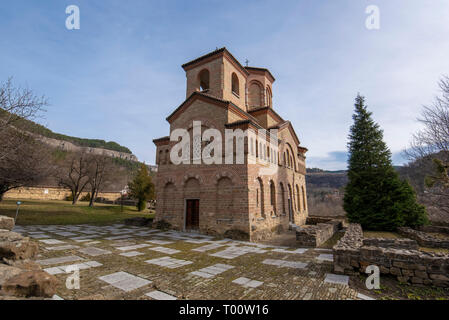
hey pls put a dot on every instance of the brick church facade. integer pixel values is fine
(233, 200)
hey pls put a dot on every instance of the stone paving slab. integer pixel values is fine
(285, 263)
(159, 295)
(337, 279)
(161, 242)
(58, 260)
(124, 281)
(71, 267)
(165, 250)
(248, 283)
(169, 262)
(326, 257)
(64, 247)
(212, 271)
(52, 241)
(364, 297)
(297, 251)
(208, 247)
(131, 254)
(93, 251)
(133, 247)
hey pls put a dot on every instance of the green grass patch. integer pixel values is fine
(37, 212)
(381, 234)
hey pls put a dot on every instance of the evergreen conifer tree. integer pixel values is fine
(375, 196)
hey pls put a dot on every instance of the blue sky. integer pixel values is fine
(120, 75)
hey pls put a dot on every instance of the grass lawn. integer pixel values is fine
(381, 234)
(37, 212)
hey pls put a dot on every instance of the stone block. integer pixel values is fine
(31, 284)
(6, 223)
(395, 271)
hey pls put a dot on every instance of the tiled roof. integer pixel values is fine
(216, 52)
(261, 69)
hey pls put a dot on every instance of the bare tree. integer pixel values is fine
(28, 165)
(24, 161)
(431, 145)
(99, 174)
(74, 175)
(17, 104)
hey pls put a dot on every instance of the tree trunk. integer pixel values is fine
(92, 197)
(75, 198)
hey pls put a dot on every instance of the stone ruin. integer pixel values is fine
(424, 238)
(20, 277)
(398, 257)
(317, 231)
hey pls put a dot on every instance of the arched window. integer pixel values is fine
(304, 202)
(298, 202)
(268, 94)
(204, 80)
(281, 194)
(161, 154)
(273, 196)
(235, 84)
(255, 96)
(251, 146)
(261, 195)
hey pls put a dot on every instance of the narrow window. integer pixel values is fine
(204, 80)
(235, 84)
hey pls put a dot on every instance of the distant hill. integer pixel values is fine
(317, 178)
(38, 129)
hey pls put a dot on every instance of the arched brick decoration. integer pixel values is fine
(189, 176)
(261, 197)
(192, 189)
(273, 196)
(292, 202)
(298, 197)
(304, 198)
(282, 197)
(226, 174)
(255, 94)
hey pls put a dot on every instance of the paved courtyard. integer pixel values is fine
(126, 262)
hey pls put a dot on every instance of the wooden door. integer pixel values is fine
(192, 214)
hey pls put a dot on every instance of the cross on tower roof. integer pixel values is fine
(246, 62)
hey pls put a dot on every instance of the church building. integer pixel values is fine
(239, 199)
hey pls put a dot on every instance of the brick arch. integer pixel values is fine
(293, 160)
(169, 180)
(189, 176)
(255, 94)
(261, 196)
(225, 174)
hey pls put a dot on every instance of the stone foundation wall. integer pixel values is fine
(51, 193)
(424, 239)
(352, 254)
(439, 229)
(316, 235)
(407, 244)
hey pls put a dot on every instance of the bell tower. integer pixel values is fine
(218, 74)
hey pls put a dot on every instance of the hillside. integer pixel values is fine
(35, 128)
